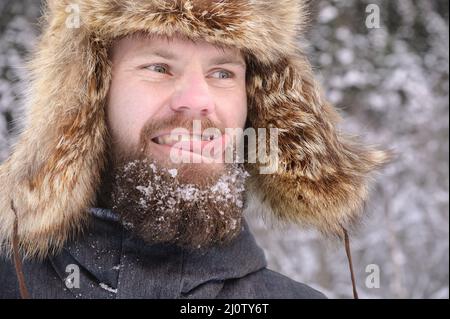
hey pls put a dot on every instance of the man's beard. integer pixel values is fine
(190, 205)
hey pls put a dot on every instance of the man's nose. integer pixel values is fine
(192, 96)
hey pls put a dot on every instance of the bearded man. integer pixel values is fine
(121, 184)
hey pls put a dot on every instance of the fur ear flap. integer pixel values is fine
(322, 176)
(54, 170)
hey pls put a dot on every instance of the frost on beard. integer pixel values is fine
(158, 206)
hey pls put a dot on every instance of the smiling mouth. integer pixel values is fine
(172, 139)
(192, 143)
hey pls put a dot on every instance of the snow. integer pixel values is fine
(108, 288)
(345, 56)
(327, 14)
(173, 172)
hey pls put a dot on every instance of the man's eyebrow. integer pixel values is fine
(227, 60)
(219, 60)
(162, 53)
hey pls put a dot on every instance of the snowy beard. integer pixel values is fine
(155, 204)
(190, 205)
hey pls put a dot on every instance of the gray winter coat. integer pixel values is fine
(114, 264)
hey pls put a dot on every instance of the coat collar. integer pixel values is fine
(109, 254)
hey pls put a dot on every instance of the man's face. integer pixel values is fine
(160, 84)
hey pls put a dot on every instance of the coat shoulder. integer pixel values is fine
(8, 280)
(41, 280)
(268, 284)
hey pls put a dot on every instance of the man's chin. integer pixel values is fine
(199, 170)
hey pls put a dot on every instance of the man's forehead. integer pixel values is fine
(145, 45)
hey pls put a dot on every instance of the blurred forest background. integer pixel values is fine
(392, 85)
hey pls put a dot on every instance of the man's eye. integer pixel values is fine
(159, 68)
(222, 74)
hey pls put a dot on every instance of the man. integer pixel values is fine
(124, 182)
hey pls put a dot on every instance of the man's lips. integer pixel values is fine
(170, 139)
(199, 144)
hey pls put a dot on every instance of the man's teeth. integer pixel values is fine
(172, 139)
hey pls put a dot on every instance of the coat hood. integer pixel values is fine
(54, 170)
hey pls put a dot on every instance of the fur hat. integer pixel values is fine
(54, 170)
